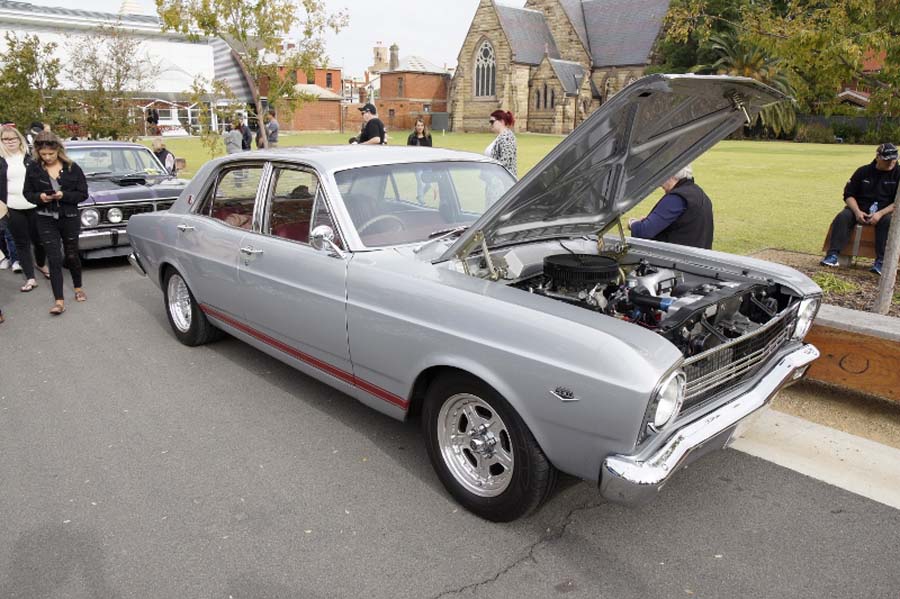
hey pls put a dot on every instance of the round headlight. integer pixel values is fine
(669, 400)
(90, 217)
(805, 316)
(114, 215)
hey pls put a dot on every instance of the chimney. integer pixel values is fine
(395, 57)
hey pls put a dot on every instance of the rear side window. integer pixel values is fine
(232, 198)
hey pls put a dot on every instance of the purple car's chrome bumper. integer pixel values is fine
(636, 479)
(104, 242)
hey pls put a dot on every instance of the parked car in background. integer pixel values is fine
(527, 337)
(124, 179)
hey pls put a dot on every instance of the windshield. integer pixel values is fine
(115, 161)
(397, 204)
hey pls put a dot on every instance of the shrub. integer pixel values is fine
(849, 133)
(814, 133)
(833, 284)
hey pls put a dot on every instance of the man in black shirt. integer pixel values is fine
(869, 195)
(373, 128)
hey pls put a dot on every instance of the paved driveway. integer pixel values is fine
(132, 466)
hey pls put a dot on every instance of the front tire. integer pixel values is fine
(187, 320)
(482, 451)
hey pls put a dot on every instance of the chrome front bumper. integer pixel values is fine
(636, 479)
(97, 239)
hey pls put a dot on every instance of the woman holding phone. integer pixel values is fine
(56, 185)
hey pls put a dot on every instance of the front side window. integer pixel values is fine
(291, 204)
(485, 71)
(232, 198)
(408, 203)
(115, 161)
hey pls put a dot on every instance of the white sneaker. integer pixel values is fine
(4, 264)
(16, 267)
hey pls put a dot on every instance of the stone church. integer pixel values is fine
(552, 62)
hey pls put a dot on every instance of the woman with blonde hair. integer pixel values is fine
(56, 185)
(14, 161)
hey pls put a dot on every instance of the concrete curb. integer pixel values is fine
(840, 459)
(856, 321)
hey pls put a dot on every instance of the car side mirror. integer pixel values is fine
(322, 238)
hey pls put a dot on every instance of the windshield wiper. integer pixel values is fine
(439, 235)
(98, 174)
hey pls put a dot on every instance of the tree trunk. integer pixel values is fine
(889, 269)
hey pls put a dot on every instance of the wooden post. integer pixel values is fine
(888, 280)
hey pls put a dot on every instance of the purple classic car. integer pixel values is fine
(124, 179)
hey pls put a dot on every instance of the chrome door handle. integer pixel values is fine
(183, 227)
(251, 251)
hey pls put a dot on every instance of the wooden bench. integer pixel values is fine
(860, 244)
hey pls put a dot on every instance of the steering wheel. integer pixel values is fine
(382, 217)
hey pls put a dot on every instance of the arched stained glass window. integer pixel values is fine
(485, 71)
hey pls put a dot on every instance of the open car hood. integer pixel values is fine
(615, 158)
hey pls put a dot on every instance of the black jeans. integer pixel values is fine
(23, 226)
(842, 225)
(55, 233)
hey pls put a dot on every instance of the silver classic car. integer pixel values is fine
(514, 319)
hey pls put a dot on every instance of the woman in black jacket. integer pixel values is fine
(419, 136)
(56, 185)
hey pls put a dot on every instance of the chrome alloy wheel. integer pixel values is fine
(475, 445)
(179, 303)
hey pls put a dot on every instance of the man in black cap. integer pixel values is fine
(373, 128)
(869, 195)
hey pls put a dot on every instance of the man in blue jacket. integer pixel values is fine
(683, 216)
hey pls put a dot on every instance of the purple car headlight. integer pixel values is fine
(114, 215)
(90, 217)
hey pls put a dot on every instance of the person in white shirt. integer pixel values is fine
(14, 159)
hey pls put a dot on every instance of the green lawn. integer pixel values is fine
(765, 194)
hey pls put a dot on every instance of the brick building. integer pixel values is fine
(323, 111)
(552, 62)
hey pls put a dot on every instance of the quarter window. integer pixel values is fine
(232, 198)
(485, 71)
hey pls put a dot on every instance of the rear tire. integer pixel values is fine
(187, 320)
(482, 451)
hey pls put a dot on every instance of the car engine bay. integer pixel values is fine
(695, 312)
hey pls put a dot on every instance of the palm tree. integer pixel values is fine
(747, 59)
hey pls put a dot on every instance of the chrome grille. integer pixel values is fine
(129, 210)
(713, 371)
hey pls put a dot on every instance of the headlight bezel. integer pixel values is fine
(806, 314)
(88, 215)
(652, 424)
(115, 210)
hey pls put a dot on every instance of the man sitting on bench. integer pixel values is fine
(869, 195)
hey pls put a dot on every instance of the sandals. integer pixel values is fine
(80, 295)
(57, 309)
(28, 286)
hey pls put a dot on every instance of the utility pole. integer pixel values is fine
(888, 281)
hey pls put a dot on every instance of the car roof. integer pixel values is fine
(103, 144)
(331, 158)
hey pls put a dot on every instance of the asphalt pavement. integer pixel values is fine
(133, 466)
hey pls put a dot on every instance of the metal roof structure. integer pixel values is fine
(570, 75)
(180, 59)
(622, 32)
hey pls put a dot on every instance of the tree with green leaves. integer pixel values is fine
(823, 46)
(258, 31)
(29, 80)
(108, 67)
(745, 58)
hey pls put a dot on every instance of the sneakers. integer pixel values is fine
(16, 267)
(4, 264)
(829, 260)
(876, 267)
